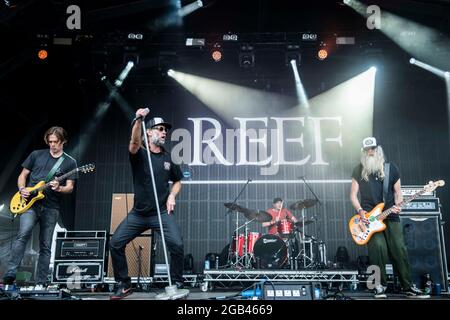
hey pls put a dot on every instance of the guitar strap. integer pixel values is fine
(55, 167)
(385, 185)
(386, 182)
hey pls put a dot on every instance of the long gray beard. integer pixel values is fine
(372, 165)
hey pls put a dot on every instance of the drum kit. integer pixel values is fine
(289, 248)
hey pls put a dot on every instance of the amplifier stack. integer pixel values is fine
(79, 257)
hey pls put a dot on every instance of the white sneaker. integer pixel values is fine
(414, 292)
(380, 292)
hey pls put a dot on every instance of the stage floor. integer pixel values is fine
(197, 294)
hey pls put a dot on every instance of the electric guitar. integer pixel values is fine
(362, 232)
(19, 204)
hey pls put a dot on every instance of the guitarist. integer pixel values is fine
(368, 179)
(45, 164)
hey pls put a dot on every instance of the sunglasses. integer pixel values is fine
(161, 129)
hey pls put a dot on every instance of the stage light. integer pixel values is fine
(216, 52)
(195, 42)
(2, 206)
(373, 69)
(322, 54)
(43, 54)
(246, 56)
(170, 73)
(119, 81)
(412, 60)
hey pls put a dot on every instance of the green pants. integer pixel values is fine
(390, 245)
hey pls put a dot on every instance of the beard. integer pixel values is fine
(373, 165)
(158, 141)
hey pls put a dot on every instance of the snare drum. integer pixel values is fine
(285, 227)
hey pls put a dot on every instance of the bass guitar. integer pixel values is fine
(362, 231)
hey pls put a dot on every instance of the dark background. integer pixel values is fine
(410, 110)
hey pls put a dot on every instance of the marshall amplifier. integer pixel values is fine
(80, 245)
(77, 272)
(79, 257)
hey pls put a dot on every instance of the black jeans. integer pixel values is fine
(47, 219)
(135, 224)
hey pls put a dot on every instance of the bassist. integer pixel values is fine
(368, 179)
(45, 164)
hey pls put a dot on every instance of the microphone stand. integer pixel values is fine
(237, 223)
(172, 292)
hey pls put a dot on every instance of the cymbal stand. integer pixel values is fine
(303, 251)
(239, 262)
(237, 227)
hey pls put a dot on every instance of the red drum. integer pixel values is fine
(285, 227)
(240, 244)
(251, 239)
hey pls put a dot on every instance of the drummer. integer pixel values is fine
(278, 213)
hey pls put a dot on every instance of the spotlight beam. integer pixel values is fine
(103, 107)
(414, 38)
(425, 66)
(301, 94)
(175, 17)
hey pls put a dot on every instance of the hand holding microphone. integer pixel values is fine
(141, 113)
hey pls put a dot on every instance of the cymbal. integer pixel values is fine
(236, 207)
(303, 204)
(258, 215)
(300, 223)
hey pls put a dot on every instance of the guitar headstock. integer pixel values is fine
(87, 168)
(431, 186)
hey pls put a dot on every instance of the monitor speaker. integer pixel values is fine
(424, 240)
(139, 250)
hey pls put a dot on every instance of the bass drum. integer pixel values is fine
(270, 252)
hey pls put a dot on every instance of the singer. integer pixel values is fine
(143, 215)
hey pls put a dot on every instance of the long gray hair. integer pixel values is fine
(372, 165)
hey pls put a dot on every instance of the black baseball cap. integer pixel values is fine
(157, 121)
(277, 200)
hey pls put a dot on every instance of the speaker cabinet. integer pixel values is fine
(424, 239)
(140, 248)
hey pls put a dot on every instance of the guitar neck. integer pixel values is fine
(64, 176)
(387, 212)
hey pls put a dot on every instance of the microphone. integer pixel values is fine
(302, 177)
(140, 117)
(249, 180)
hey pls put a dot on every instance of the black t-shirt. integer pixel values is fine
(40, 162)
(371, 191)
(164, 170)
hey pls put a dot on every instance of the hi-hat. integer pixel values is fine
(303, 204)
